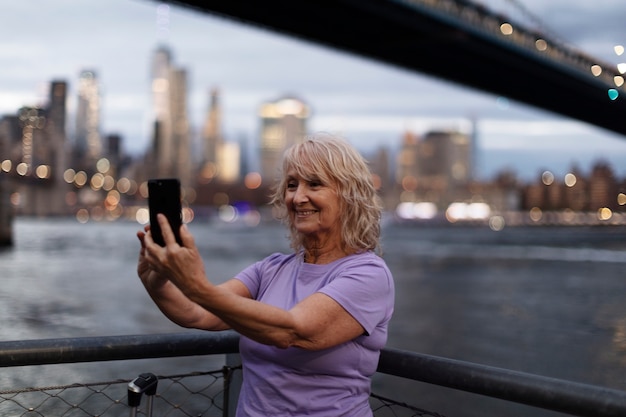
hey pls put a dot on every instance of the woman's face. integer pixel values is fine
(314, 207)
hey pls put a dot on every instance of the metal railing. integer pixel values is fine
(547, 393)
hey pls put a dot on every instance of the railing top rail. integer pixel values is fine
(549, 393)
(113, 348)
(538, 391)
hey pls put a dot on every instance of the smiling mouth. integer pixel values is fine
(305, 213)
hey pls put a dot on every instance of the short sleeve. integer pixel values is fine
(365, 289)
(252, 276)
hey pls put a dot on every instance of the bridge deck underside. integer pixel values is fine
(432, 43)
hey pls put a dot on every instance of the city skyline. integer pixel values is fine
(434, 171)
(369, 103)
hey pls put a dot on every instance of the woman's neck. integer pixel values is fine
(320, 254)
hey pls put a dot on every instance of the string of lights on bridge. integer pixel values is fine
(534, 40)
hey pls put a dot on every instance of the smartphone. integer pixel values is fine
(164, 197)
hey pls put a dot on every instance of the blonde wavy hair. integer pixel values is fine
(333, 161)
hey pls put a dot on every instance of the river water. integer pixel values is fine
(548, 301)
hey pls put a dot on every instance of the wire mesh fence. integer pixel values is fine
(191, 394)
(91, 399)
(386, 407)
(198, 394)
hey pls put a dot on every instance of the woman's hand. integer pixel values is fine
(182, 265)
(149, 277)
(163, 269)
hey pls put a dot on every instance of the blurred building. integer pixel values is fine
(554, 195)
(406, 162)
(212, 139)
(10, 141)
(434, 168)
(113, 151)
(229, 162)
(221, 160)
(170, 153)
(56, 128)
(575, 192)
(87, 147)
(38, 154)
(534, 196)
(33, 140)
(380, 164)
(603, 188)
(283, 123)
(445, 159)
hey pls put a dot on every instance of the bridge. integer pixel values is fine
(455, 40)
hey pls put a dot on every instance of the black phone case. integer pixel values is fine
(164, 197)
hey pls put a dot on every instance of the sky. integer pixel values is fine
(370, 103)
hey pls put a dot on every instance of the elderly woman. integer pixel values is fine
(312, 322)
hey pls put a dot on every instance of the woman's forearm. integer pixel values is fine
(181, 310)
(261, 322)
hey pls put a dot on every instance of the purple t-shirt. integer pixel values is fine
(329, 382)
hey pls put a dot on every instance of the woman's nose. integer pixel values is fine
(300, 195)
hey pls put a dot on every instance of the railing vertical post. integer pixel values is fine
(232, 384)
(6, 216)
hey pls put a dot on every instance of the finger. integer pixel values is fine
(166, 230)
(151, 250)
(186, 237)
(147, 239)
(141, 236)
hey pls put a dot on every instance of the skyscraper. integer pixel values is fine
(283, 123)
(43, 151)
(88, 142)
(171, 135)
(57, 111)
(57, 137)
(406, 163)
(220, 160)
(444, 159)
(212, 133)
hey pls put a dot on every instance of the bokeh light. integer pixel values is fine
(604, 213)
(506, 29)
(570, 179)
(547, 178)
(253, 180)
(496, 223)
(596, 70)
(103, 165)
(535, 214)
(6, 165)
(69, 175)
(142, 216)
